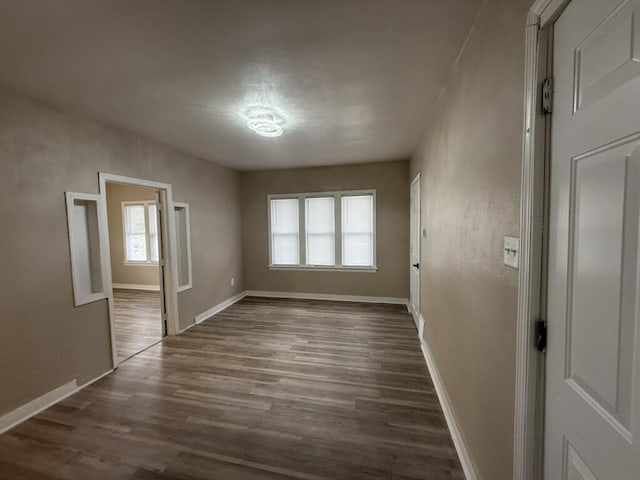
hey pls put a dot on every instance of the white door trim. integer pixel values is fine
(528, 434)
(416, 314)
(168, 247)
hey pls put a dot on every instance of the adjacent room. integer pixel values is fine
(134, 248)
(320, 240)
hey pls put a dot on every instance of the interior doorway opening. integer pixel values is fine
(135, 246)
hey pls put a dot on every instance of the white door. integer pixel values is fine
(415, 250)
(592, 418)
(161, 232)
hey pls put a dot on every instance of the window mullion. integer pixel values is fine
(338, 230)
(302, 230)
(125, 223)
(374, 230)
(147, 232)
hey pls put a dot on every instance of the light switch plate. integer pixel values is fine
(512, 252)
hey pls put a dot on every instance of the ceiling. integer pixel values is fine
(353, 80)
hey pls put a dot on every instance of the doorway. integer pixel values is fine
(582, 169)
(135, 246)
(414, 250)
(167, 253)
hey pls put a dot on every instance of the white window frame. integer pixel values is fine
(148, 261)
(80, 294)
(185, 206)
(302, 234)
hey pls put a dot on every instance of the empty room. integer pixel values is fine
(320, 240)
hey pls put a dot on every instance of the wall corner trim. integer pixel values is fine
(41, 403)
(456, 434)
(329, 296)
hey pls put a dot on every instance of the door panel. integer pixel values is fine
(609, 57)
(592, 411)
(576, 469)
(602, 277)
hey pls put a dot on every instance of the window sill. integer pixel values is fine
(140, 264)
(90, 298)
(309, 268)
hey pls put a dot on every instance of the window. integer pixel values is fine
(357, 230)
(321, 243)
(323, 230)
(285, 249)
(140, 221)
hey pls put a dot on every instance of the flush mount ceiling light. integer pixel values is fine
(264, 121)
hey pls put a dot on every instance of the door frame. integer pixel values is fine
(530, 381)
(168, 235)
(417, 315)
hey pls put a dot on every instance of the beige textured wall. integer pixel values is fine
(390, 179)
(121, 272)
(45, 340)
(470, 162)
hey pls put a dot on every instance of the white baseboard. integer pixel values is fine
(456, 435)
(327, 296)
(37, 405)
(418, 319)
(85, 385)
(215, 309)
(135, 286)
(421, 324)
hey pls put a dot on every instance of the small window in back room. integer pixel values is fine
(140, 232)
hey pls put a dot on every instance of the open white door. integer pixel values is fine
(415, 251)
(161, 223)
(592, 424)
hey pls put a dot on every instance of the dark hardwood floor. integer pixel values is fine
(138, 322)
(267, 389)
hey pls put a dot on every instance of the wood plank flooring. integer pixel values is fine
(138, 322)
(267, 389)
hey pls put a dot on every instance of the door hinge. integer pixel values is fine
(547, 96)
(540, 335)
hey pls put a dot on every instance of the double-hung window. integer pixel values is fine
(140, 225)
(320, 231)
(357, 231)
(323, 230)
(285, 235)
